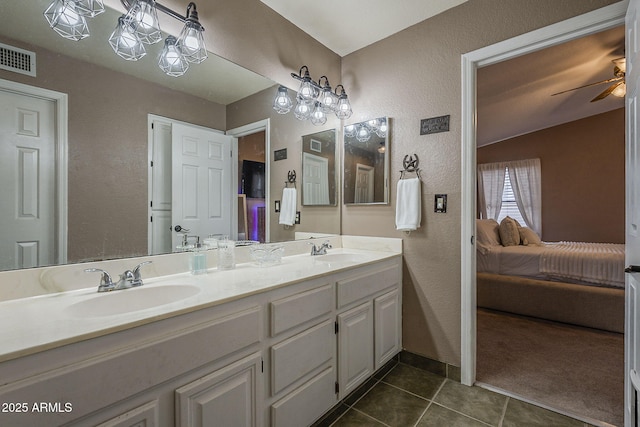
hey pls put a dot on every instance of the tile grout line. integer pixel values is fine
(504, 411)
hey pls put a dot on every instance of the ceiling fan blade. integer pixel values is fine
(606, 92)
(614, 79)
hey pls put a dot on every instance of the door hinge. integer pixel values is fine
(337, 328)
(152, 125)
(262, 365)
(151, 203)
(151, 218)
(337, 388)
(151, 163)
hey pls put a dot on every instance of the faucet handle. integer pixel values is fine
(134, 277)
(136, 270)
(106, 284)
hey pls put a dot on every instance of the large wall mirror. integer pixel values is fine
(319, 169)
(109, 103)
(366, 162)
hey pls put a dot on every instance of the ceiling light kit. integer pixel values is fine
(314, 100)
(134, 29)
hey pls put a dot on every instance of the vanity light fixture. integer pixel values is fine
(314, 100)
(362, 131)
(137, 27)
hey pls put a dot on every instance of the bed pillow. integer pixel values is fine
(529, 237)
(509, 235)
(487, 232)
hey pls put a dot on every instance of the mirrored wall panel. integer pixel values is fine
(366, 163)
(319, 183)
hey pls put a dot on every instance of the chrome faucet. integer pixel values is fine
(322, 250)
(128, 279)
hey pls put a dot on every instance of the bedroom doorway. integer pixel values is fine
(597, 21)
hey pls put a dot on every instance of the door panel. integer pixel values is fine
(27, 160)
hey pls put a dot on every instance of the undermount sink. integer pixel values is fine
(339, 258)
(130, 300)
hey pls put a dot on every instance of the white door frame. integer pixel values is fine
(251, 128)
(573, 28)
(60, 101)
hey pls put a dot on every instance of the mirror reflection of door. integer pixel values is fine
(28, 172)
(364, 183)
(190, 175)
(316, 179)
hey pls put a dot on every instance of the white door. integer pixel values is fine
(632, 217)
(315, 179)
(364, 183)
(27, 173)
(201, 182)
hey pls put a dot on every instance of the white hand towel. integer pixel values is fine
(288, 206)
(408, 204)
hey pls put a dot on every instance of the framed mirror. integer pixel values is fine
(319, 182)
(102, 210)
(366, 163)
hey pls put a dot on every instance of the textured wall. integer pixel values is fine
(413, 75)
(582, 165)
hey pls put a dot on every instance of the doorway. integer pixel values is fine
(594, 22)
(253, 148)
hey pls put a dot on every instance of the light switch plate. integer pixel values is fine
(440, 204)
(277, 205)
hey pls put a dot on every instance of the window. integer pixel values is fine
(509, 205)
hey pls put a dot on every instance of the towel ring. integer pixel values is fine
(291, 179)
(410, 164)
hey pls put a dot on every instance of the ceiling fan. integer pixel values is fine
(618, 86)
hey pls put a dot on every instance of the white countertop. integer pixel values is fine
(43, 322)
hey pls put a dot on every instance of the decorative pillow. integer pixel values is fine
(529, 237)
(509, 235)
(487, 232)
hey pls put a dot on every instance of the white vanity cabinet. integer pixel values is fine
(369, 323)
(277, 358)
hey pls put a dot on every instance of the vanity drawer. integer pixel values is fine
(307, 403)
(299, 355)
(358, 287)
(297, 309)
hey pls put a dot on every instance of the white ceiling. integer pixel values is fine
(346, 26)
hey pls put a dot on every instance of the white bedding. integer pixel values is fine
(587, 263)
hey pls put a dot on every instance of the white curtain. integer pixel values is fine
(490, 188)
(525, 181)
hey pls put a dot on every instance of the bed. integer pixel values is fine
(571, 282)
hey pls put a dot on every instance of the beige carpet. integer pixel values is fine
(573, 369)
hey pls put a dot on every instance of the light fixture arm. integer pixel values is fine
(192, 15)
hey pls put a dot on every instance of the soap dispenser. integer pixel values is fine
(199, 258)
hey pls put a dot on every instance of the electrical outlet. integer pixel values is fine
(298, 217)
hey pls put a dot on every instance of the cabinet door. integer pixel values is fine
(387, 318)
(230, 396)
(355, 347)
(142, 416)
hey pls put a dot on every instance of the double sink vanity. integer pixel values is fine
(252, 346)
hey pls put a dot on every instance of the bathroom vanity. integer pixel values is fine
(275, 346)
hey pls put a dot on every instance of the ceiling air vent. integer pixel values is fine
(17, 60)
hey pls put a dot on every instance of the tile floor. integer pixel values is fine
(402, 396)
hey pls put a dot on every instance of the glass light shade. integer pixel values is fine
(65, 19)
(144, 19)
(363, 134)
(171, 60)
(318, 117)
(282, 104)
(343, 110)
(350, 130)
(89, 8)
(381, 129)
(382, 148)
(191, 42)
(620, 91)
(302, 111)
(328, 99)
(125, 41)
(307, 92)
